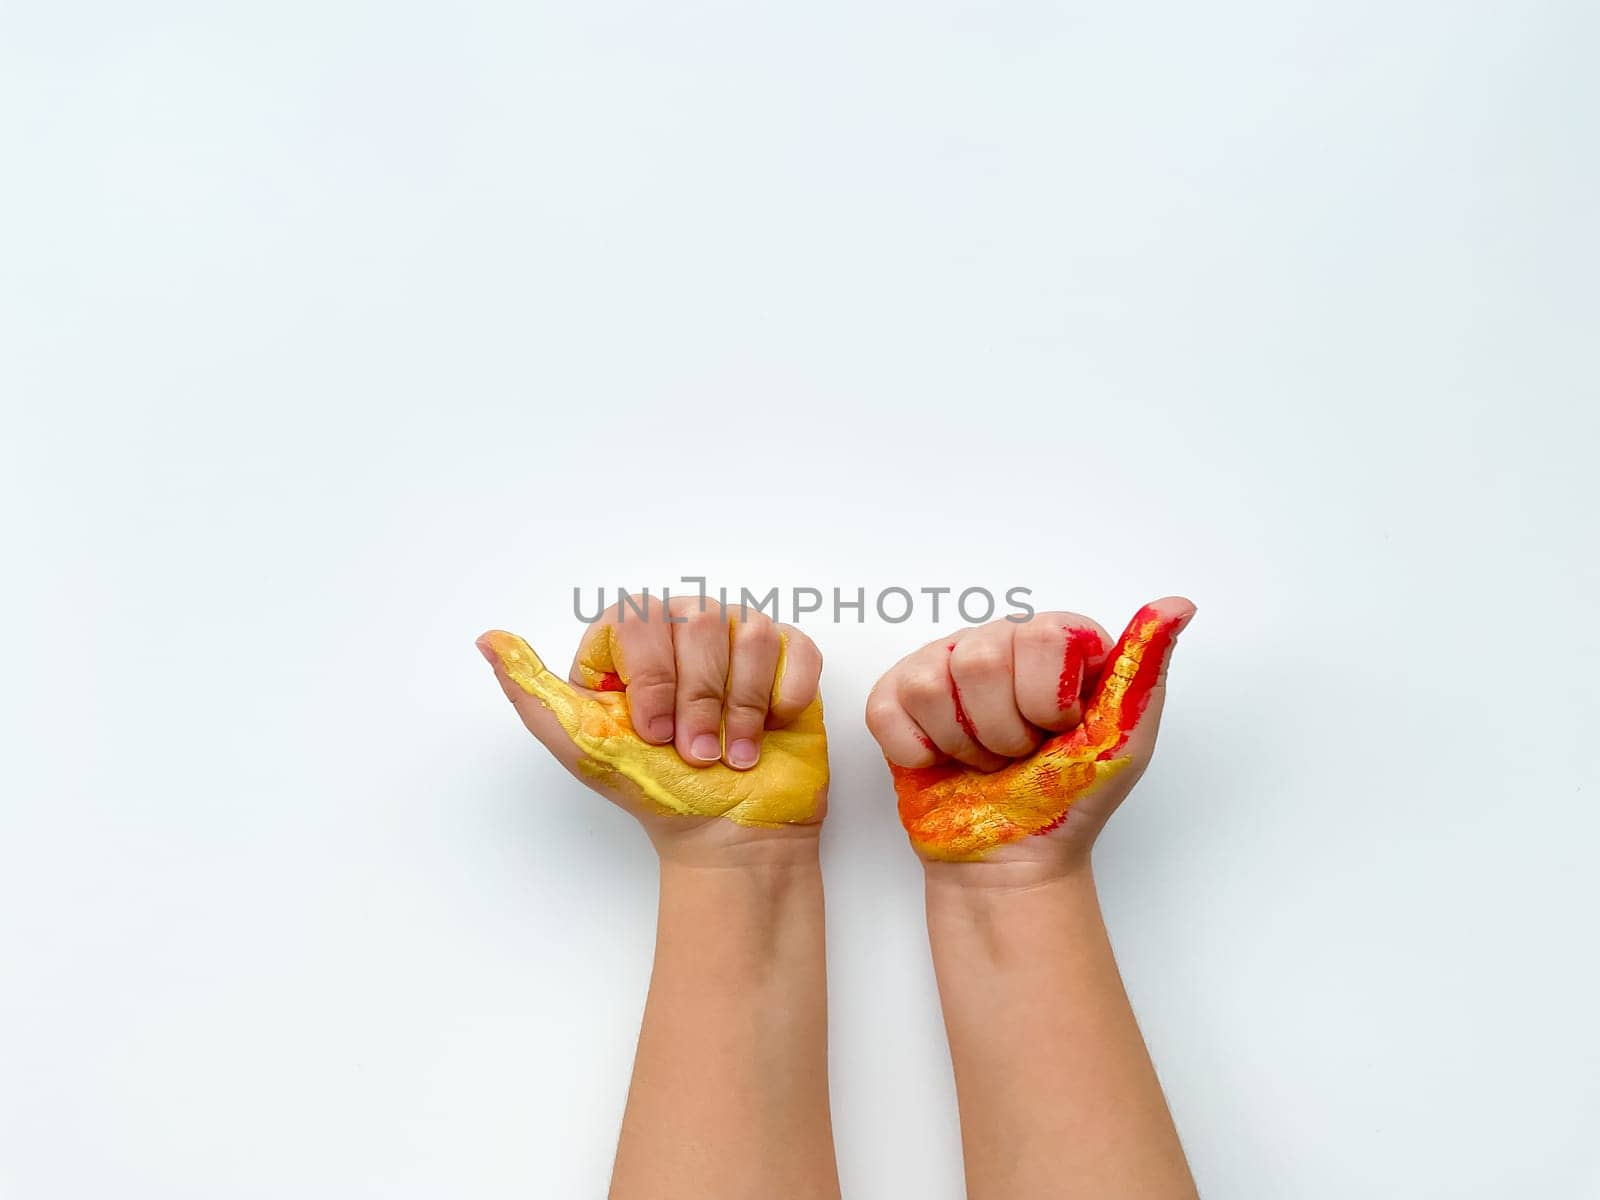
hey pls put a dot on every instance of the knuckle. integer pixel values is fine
(754, 619)
(924, 686)
(762, 639)
(701, 619)
(980, 660)
(1056, 720)
(745, 714)
(652, 696)
(792, 700)
(652, 677)
(1013, 743)
(1057, 617)
(813, 660)
(689, 611)
(626, 611)
(700, 691)
(882, 714)
(800, 643)
(801, 679)
(1038, 634)
(749, 688)
(705, 710)
(904, 753)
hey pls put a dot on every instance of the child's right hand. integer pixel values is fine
(1017, 741)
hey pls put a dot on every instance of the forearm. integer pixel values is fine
(729, 1095)
(1057, 1092)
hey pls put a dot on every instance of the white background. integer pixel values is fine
(334, 333)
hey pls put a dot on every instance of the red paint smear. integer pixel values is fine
(610, 681)
(1081, 645)
(1054, 825)
(961, 712)
(1154, 631)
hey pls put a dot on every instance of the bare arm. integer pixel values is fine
(730, 1085)
(1058, 1095)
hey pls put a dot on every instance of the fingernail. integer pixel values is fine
(705, 747)
(661, 729)
(743, 753)
(483, 648)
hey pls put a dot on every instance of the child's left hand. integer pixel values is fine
(706, 718)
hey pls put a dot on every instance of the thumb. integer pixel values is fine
(548, 705)
(1125, 709)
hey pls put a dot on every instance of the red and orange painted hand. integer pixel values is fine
(991, 698)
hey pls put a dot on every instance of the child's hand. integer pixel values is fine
(1041, 720)
(710, 715)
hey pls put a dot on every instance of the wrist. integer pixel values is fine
(747, 918)
(718, 844)
(766, 876)
(1008, 873)
(1012, 898)
(721, 865)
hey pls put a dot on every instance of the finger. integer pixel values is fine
(1055, 654)
(628, 651)
(547, 704)
(799, 674)
(752, 671)
(1127, 701)
(980, 667)
(929, 695)
(902, 740)
(700, 645)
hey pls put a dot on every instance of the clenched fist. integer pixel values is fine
(1020, 740)
(709, 716)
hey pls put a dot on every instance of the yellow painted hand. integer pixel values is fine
(590, 731)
